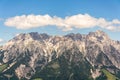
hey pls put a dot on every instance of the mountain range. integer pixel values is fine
(34, 56)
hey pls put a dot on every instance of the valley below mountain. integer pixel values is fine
(34, 56)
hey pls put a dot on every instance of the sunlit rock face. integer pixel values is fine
(33, 50)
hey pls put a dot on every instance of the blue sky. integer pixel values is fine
(108, 10)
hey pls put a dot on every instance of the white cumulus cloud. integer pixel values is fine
(1, 40)
(68, 23)
(1, 19)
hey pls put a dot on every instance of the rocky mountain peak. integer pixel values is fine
(37, 36)
(32, 35)
(99, 35)
(74, 36)
(27, 54)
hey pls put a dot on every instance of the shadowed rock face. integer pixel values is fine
(28, 54)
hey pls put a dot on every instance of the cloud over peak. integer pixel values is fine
(68, 23)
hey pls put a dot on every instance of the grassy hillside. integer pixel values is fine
(38, 79)
(3, 67)
(109, 75)
(106, 75)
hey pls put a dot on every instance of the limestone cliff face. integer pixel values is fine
(34, 50)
